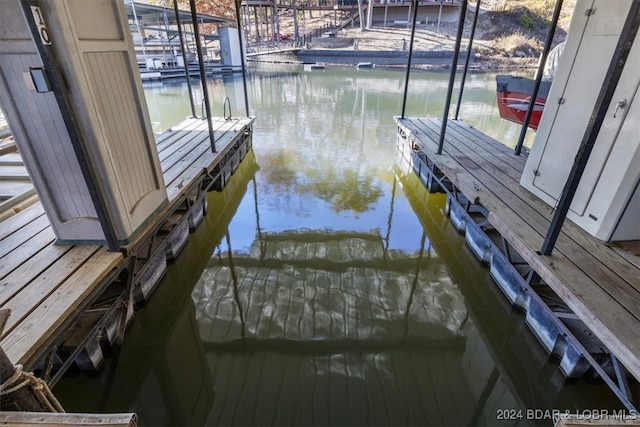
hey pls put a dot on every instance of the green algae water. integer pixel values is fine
(325, 285)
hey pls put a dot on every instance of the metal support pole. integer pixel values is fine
(137, 23)
(162, 42)
(466, 60)
(452, 75)
(56, 79)
(244, 70)
(184, 58)
(543, 60)
(203, 75)
(600, 108)
(406, 78)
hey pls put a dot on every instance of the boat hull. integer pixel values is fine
(513, 96)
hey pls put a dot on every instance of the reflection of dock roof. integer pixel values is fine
(286, 292)
(327, 250)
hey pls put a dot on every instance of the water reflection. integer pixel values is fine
(326, 286)
(316, 289)
(503, 361)
(345, 190)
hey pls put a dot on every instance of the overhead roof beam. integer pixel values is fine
(148, 13)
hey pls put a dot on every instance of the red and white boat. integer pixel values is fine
(514, 93)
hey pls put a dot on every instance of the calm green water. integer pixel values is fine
(325, 286)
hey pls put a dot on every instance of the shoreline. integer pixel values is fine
(431, 60)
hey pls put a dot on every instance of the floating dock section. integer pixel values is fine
(71, 303)
(580, 302)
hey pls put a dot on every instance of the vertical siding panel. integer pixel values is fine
(49, 126)
(121, 121)
(120, 136)
(129, 116)
(113, 129)
(63, 154)
(106, 72)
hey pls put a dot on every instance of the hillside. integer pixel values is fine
(509, 33)
(519, 29)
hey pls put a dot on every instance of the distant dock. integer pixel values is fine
(68, 302)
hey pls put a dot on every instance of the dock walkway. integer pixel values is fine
(599, 283)
(47, 286)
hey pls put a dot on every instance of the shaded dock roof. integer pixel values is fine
(149, 14)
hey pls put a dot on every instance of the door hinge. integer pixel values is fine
(589, 12)
(560, 100)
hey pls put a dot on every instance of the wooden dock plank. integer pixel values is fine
(486, 157)
(16, 222)
(182, 144)
(583, 420)
(224, 143)
(11, 159)
(13, 205)
(14, 188)
(7, 146)
(201, 160)
(467, 154)
(177, 133)
(519, 220)
(30, 419)
(625, 268)
(12, 241)
(530, 208)
(43, 323)
(484, 140)
(573, 240)
(464, 181)
(197, 142)
(196, 163)
(598, 284)
(186, 124)
(35, 292)
(13, 173)
(34, 258)
(168, 132)
(17, 257)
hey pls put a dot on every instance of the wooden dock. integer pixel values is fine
(16, 191)
(30, 419)
(50, 287)
(597, 282)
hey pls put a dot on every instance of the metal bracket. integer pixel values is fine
(622, 379)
